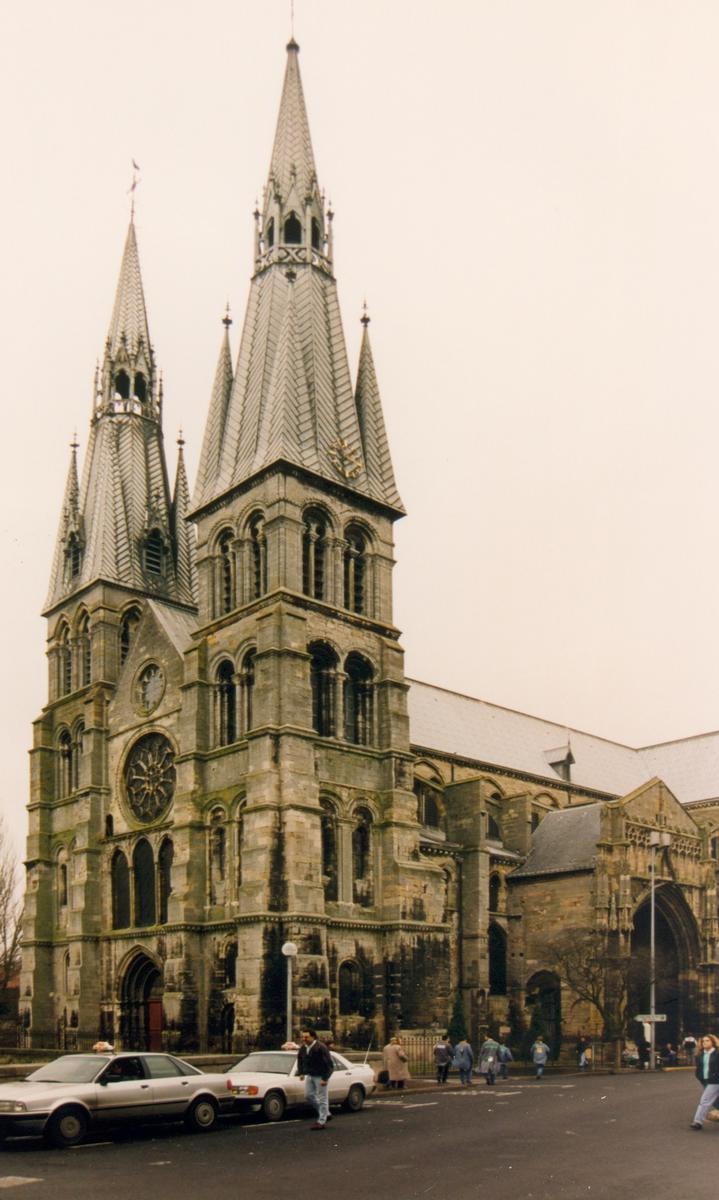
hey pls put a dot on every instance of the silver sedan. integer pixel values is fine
(65, 1098)
(268, 1079)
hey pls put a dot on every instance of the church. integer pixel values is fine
(231, 756)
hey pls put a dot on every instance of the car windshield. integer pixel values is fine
(73, 1068)
(276, 1063)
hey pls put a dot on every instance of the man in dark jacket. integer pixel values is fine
(314, 1065)
(707, 1072)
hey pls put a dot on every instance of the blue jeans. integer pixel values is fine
(316, 1094)
(465, 1074)
(540, 1069)
(706, 1101)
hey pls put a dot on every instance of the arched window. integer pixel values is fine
(64, 662)
(128, 625)
(66, 973)
(62, 879)
(230, 963)
(247, 687)
(271, 232)
(74, 555)
(143, 866)
(316, 236)
(362, 890)
(164, 871)
(120, 875)
(109, 825)
(358, 697)
(218, 857)
(76, 755)
(226, 704)
(122, 385)
(293, 230)
(240, 840)
(494, 886)
(328, 824)
(349, 979)
(497, 961)
(428, 810)
(355, 570)
(65, 766)
(140, 386)
(535, 821)
(323, 681)
(258, 558)
(154, 553)
(314, 550)
(493, 830)
(84, 649)
(226, 572)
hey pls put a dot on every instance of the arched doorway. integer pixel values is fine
(544, 1001)
(676, 956)
(141, 1005)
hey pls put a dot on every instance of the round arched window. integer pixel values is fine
(150, 777)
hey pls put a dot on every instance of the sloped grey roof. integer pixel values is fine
(566, 840)
(178, 625)
(487, 733)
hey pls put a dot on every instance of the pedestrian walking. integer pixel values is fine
(314, 1066)
(707, 1072)
(488, 1060)
(442, 1054)
(463, 1060)
(540, 1053)
(505, 1057)
(396, 1063)
(689, 1046)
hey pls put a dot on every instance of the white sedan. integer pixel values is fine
(268, 1079)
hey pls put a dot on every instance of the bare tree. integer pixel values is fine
(10, 911)
(589, 962)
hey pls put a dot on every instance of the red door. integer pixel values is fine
(154, 1024)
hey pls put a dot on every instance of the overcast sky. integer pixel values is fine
(527, 193)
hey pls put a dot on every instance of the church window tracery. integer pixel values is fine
(355, 570)
(358, 700)
(323, 682)
(226, 703)
(143, 867)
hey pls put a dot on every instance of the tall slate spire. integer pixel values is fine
(291, 398)
(217, 415)
(124, 500)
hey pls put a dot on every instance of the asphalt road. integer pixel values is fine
(624, 1137)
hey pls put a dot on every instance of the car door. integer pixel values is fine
(340, 1080)
(123, 1091)
(171, 1088)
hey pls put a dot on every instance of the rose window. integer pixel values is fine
(150, 777)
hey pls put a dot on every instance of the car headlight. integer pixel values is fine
(12, 1106)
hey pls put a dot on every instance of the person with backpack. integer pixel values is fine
(540, 1053)
(463, 1060)
(442, 1054)
(488, 1060)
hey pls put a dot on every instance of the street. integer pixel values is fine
(626, 1137)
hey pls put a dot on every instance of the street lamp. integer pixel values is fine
(289, 950)
(657, 837)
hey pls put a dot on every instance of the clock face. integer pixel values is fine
(149, 688)
(150, 777)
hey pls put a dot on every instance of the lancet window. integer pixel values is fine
(218, 856)
(247, 690)
(226, 573)
(143, 866)
(323, 681)
(164, 872)
(154, 553)
(355, 570)
(362, 887)
(65, 765)
(314, 554)
(84, 650)
(128, 625)
(328, 825)
(293, 230)
(120, 877)
(226, 704)
(258, 558)
(358, 698)
(64, 662)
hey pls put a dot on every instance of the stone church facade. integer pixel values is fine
(231, 756)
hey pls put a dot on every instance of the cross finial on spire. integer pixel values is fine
(365, 318)
(227, 319)
(74, 444)
(180, 439)
(133, 185)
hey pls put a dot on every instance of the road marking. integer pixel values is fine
(422, 1104)
(90, 1145)
(8, 1181)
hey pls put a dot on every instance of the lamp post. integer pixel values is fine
(289, 950)
(656, 838)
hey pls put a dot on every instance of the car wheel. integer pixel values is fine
(66, 1127)
(202, 1115)
(355, 1098)
(274, 1105)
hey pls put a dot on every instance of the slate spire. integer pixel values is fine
(124, 501)
(291, 399)
(217, 415)
(380, 475)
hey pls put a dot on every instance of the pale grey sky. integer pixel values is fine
(527, 193)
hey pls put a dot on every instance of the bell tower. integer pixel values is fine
(300, 718)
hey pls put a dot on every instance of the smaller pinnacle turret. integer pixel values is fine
(380, 475)
(216, 417)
